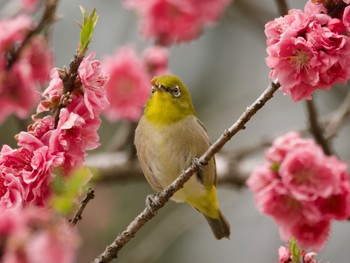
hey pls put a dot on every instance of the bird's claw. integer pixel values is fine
(150, 201)
(199, 167)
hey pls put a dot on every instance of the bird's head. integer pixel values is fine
(169, 102)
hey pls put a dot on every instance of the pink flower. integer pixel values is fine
(18, 93)
(30, 5)
(307, 51)
(93, 80)
(313, 235)
(39, 56)
(155, 60)
(128, 87)
(307, 175)
(302, 189)
(14, 30)
(31, 235)
(170, 21)
(284, 255)
(30, 169)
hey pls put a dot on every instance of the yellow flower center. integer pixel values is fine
(300, 59)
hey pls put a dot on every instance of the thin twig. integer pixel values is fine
(315, 128)
(46, 20)
(78, 214)
(161, 198)
(337, 118)
(282, 7)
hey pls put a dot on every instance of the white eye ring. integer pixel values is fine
(175, 91)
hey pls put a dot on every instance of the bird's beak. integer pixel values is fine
(157, 85)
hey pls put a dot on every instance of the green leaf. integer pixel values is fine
(87, 29)
(294, 250)
(67, 189)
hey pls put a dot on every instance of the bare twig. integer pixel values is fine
(282, 7)
(78, 215)
(161, 198)
(315, 128)
(46, 20)
(337, 118)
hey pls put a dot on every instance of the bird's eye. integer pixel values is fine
(153, 90)
(175, 91)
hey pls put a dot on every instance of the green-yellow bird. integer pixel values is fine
(167, 138)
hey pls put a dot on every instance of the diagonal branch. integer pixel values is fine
(47, 19)
(315, 128)
(164, 196)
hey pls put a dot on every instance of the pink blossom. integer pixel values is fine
(30, 169)
(33, 235)
(30, 5)
(310, 257)
(346, 18)
(170, 21)
(128, 87)
(284, 255)
(306, 174)
(307, 51)
(283, 144)
(39, 56)
(155, 60)
(302, 189)
(14, 30)
(18, 93)
(93, 80)
(313, 235)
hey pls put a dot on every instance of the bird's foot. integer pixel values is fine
(150, 202)
(199, 167)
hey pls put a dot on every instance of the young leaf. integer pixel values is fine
(87, 29)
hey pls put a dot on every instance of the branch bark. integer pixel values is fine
(161, 198)
(78, 215)
(46, 20)
(315, 128)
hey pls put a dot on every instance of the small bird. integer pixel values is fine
(168, 138)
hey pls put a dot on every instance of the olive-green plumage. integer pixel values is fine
(167, 138)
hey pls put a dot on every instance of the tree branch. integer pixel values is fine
(315, 128)
(164, 196)
(46, 20)
(282, 7)
(78, 215)
(337, 118)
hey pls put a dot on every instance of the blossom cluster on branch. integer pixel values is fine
(302, 189)
(21, 73)
(309, 50)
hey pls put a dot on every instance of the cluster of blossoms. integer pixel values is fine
(130, 75)
(26, 171)
(175, 21)
(285, 256)
(309, 50)
(20, 76)
(34, 235)
(302, 189)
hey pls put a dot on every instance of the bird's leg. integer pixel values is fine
(150, 201)
(199, 167)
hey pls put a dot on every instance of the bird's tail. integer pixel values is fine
(219, 226)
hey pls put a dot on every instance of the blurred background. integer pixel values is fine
(225, 71)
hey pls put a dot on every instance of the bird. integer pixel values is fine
(168, 139)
